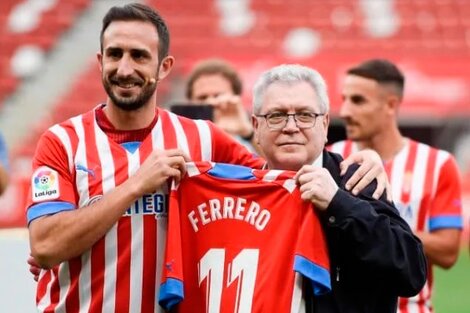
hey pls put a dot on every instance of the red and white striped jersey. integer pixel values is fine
(241, 240)
(76, 163)
(426, 190)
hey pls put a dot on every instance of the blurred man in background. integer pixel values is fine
(3, 165)
(217, 83)
(374, 256)
(425, 180)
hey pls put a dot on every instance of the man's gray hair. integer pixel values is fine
(290, 74)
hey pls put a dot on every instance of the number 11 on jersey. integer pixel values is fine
(242, 269)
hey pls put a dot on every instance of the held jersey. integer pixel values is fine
(74, 166)
(426, 190)
(241, 240)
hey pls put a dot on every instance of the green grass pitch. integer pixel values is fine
(452, 287)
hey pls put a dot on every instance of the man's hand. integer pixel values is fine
(316, 185)
(59, 237)
(34, 268)
(159, 166)
(371, 167)
(230, 115)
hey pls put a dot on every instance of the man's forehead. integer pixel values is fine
(212, 81)
(131, 32)
(359, 82)
(299, 95)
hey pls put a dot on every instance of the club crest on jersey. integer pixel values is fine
(155, 204)
(45, 184)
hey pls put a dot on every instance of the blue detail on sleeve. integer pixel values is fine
(4, 154)
(446, 221)
(319, 276)
(131, 146)
(48, 208)
(231, 171)
(171, 293)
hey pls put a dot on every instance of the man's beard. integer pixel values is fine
(134, 102)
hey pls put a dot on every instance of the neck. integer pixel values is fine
(386, 144)
(131, 120)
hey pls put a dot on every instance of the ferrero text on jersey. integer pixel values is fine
(229, 208)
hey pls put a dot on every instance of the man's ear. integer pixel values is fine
(393, 103)
(255, 123)
(165, 67)
(99, 57)
(326, 124)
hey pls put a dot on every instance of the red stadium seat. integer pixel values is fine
(52, 24)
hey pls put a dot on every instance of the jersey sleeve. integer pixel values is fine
(52, 186)
(311, 259)
(171, 288)
(446, 207)
(227, 150)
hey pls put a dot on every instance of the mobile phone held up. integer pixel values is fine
(195, 111)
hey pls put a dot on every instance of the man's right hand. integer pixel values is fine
(230, 115)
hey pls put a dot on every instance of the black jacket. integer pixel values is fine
(374, 255)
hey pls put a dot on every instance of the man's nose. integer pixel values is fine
(291, 124)
(344, 110)
(125, 67)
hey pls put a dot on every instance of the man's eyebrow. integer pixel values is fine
(112, 49)
(143, 51)
(133, 50)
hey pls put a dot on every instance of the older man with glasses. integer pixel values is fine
(373, 253)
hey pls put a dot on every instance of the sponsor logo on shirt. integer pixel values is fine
(150, 204)
(45, 184)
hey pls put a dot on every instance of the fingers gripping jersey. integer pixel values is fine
(426, 190)
(76, 164)
(240, 240)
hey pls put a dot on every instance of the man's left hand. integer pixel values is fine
(316, 185)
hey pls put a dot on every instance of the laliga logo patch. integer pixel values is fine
(44, 180)
(45, 184)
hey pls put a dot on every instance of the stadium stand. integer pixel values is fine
(31, 24)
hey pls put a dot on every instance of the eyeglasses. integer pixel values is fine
(278, 120)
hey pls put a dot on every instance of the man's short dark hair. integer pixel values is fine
(382, 71)
(139, 12)
(214, 66)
